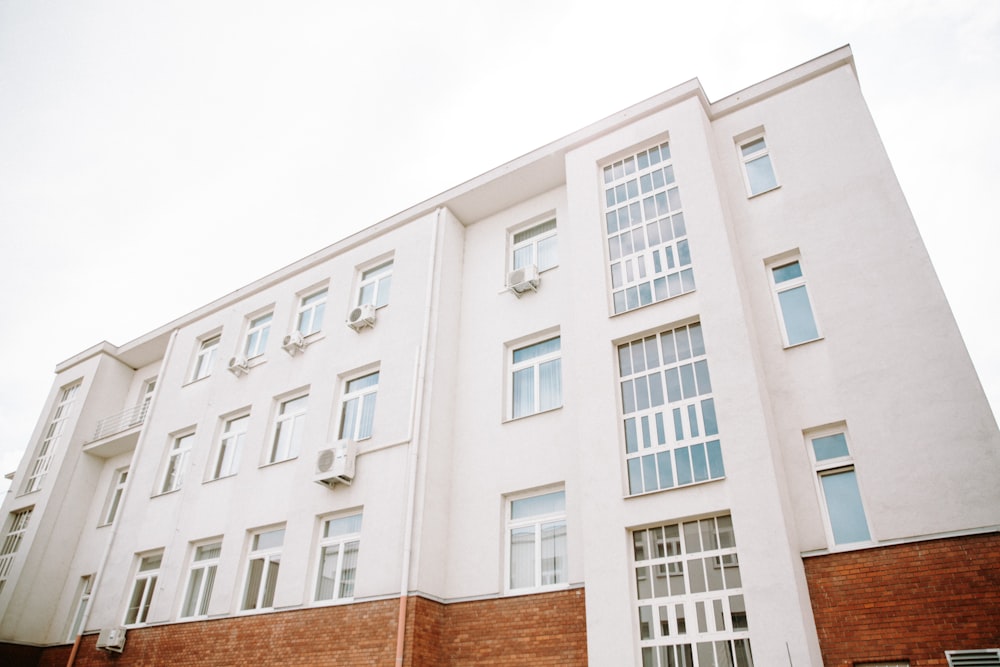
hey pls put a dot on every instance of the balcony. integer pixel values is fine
(118, 433)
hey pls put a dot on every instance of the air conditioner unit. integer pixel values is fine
(293, 342)
(111, 639)
(238, 366)
(523, 280)
(335, 465)
(361, 317)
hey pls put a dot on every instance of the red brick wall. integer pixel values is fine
(543, 630)
(907, 602)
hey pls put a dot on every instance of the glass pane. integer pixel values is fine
(787, 272)
(549, 385)
(548, 255)
(524, 392)
(753, 146)
(797, 314)
(843, 502)
(830, 446)
(522, 555)
(327, 572)
(347, 525)
(191, 597)
(553, 553)
(347, 570)
(536, 350)
(547, 503)
(268, 540)
(363, 382)
(761, 174)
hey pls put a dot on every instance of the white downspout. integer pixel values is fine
(416, 408)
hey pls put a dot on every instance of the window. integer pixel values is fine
(256, 341)
(143, 588)
(647, 236)
(535, 245)
(205, 359)
(83, 593)
(173, 476)
(262, 569)
(689, 593)
(838, 488)
(375, 284)
(16, 528)
(148, 387)
(54, 431)
(671, 430)
(757, 167)
(204, 563)
(338, 558)
(114, 496)
(536, 378)
(310, 316)
(288, 428)
(536, 541)
(792, 300)
(357, 408)
(230, 447)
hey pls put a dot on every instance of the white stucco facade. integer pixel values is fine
(887, 369)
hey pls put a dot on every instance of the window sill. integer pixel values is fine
(763, 192)
(195, 380)
(674, 488)
(166, 493)
(535, 590)
(331, 603)
(219, 478)
(270, 464)
(533, 414)
(805, 342)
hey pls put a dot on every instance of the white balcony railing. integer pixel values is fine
(122, 421)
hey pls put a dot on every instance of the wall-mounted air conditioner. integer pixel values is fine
(293, 342)
(361, 317)
(335, 464)
(238, 366)
(111, 639)
(523, 280)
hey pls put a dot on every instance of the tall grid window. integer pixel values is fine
(375, 284)
(310, 316)
(536, 541)
(143, 588)
(12, 541)
(53, 433)
(536, 378)
(535, 245)
(85, 590)
(288, 428)
(357, 407)
(227, 461)
(256, 340)
(262, 569)
(115, 496)
(204, 360)
(671, 430)
(338, 558)
(201, 579)
(173, 474)
(689, 591)
(647, 236)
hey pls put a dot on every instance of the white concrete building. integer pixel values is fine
(624, 400)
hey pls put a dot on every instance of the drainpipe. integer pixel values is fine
(128, 487)
(416, 409)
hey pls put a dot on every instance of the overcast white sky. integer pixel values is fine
(157, 155)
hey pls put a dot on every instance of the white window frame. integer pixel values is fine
(332, 567)
(289, 426)
(200, 582)
(84, 593)
(269, 556)
(533, 363)
(229, 451)
(53, 434)
(533, 234)
(312, 309)
(175, 466)
(112, 505)
(789, 285)
(145, 399)
(686, 576)
(363, 399)
(828, 467)
(17, 526)
(378, 276)
(147, 572)
(204, 358)
(747, 158)
(258, 329)
(536, 523)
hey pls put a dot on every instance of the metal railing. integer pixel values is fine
(122, 421)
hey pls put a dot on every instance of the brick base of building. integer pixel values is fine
(908, 602)
(541, 630)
